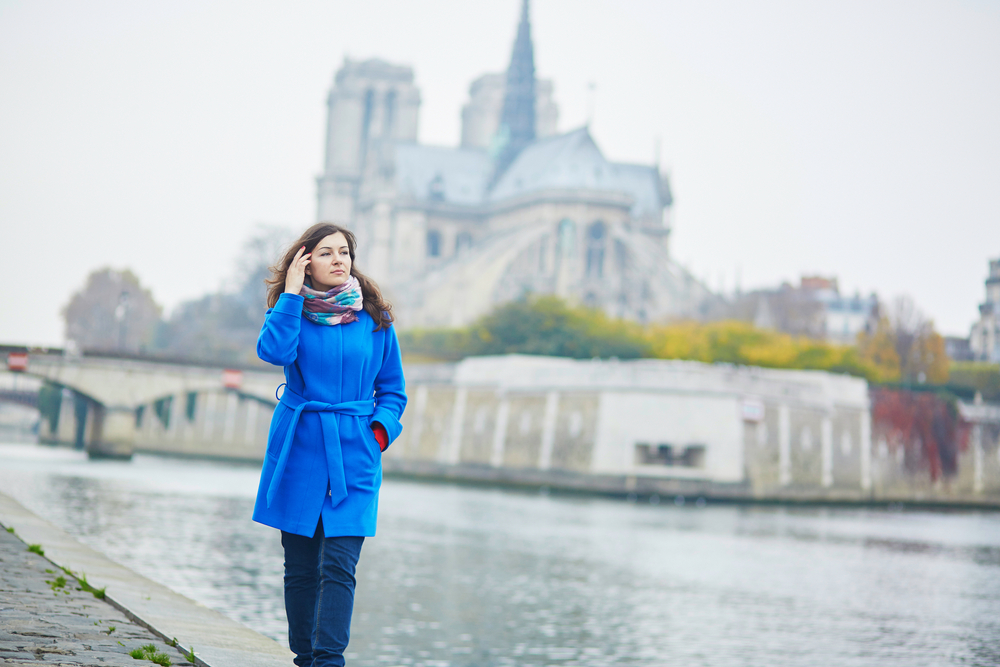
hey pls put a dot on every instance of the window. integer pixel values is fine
(689, 456)
(433, 243)
(595, 249)
(162, 409)
(390, 113)
(366, 122)
(567, 235)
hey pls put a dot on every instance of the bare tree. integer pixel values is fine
(223, 326)
(112, 312)
(920, 348)
(260, 252)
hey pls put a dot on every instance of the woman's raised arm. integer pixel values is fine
(278, 342)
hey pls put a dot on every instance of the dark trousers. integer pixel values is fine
(319, 595)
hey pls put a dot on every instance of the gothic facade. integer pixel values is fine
(516, 209)
(984, 339)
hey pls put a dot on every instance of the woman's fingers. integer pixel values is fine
(295, 276)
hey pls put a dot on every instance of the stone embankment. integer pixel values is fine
(47, 617)
(50, 616)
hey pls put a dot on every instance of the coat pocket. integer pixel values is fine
(280, 422)
(369, 436)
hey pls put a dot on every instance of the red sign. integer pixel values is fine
(17, 361)
(232, 379)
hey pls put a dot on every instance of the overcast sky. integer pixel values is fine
(853, 139)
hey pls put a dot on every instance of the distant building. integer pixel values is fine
(984, 339)
(815, 308)
(958, 349)
(844, 317)
(451, 232)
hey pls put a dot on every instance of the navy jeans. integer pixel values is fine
(319, 595)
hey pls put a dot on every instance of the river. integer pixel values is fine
(476, 576)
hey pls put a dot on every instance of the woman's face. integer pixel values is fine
(330, 264)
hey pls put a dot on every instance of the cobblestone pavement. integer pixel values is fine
(45, 619)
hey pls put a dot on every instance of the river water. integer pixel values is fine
(473, 576)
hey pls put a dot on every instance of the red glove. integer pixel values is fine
(380, 435)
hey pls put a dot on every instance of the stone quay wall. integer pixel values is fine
(647, 427)
(677, 428)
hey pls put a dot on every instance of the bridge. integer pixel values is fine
(110, 402)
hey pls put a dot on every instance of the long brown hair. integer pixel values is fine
(374, 304)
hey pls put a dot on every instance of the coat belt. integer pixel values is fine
(331, 439)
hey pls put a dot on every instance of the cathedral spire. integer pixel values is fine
(517, 123)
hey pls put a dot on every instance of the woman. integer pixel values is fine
(329, 326)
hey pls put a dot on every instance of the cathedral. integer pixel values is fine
(451, 232)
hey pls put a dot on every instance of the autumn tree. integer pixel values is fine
(543, 325)
(742, 343)
(878, 347)
(547, 325)
(113, 312)
(904, 331)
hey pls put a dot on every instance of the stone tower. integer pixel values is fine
(371, 106)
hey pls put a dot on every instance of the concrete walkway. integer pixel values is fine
(42, 621)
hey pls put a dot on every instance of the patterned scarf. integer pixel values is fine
(338, 306)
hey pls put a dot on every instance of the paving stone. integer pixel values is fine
(43, 624)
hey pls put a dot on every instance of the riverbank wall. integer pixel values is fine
(690, 430)
(646, 427)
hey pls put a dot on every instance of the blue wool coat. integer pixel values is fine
(322, 457)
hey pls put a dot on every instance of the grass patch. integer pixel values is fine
(149, 652)
(110, 629)
(85, 586)
(10, 529)
(189, 655)
(36, 549)
(58, 584)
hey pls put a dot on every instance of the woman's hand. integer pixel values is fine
(296, 275)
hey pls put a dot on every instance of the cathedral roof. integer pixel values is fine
(570, 161)
(573, 161)
(453, 175)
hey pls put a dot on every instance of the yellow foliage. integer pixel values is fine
(930, 358)
(879, 349)
(741, 343)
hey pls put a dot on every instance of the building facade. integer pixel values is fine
(518, 208)
(984, 338)
(814, 308)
